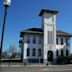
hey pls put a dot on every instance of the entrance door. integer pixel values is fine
(50, 56)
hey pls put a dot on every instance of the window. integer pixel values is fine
(61, 41)
(57, 40)
(28, 51)
(34, 39)
(40, 40)
(28, 38)
(67, 41)
(52, 19)
(61, 52)
(57, 53)
(33, 52)
(67, 52)
(39, 52)
(50, 37)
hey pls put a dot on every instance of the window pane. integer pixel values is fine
(28, 39)
(53, 19)
(33, 52)
(66, 41)
(40, 40)
(57, 53)
(34, 39)
(50, 37)
(28, 52)
(61, 52)
(57, 40)
(39, 52)
(67, 52)
(61, 41)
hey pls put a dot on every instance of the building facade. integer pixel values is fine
(44, 44)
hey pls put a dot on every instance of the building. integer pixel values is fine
(44, 44)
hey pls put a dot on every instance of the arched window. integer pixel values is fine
(61, 52)
(39, 52)
(67, 52)
(57, 53)
(28, 51)
(33, 52)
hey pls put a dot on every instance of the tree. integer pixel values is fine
(12, 51)
(4, 54)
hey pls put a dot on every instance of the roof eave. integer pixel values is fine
(47, 11)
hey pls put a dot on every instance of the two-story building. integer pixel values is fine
(46, 43)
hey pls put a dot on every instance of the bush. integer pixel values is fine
(25, 63)
(47, 64)
(63, 60)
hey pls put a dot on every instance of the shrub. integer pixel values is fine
(25, 63)
(47, 64)
(63, 60)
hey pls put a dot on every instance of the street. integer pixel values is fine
(51, 68)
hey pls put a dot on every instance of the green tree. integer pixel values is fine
(4, 54)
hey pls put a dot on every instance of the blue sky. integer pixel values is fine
(23, 14)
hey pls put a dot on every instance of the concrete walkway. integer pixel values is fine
(21, 65)
(31, 65)
(36, 68)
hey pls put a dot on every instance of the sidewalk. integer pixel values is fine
(31, 65)
(21, 65)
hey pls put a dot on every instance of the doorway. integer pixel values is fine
(50, 56)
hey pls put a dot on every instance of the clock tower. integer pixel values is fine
(49, 31)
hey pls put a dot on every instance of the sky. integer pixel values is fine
(23, 14)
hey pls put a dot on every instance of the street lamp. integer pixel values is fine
(6, 5)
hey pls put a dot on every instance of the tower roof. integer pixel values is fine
(47, 11)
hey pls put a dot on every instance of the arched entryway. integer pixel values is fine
(49, 56)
